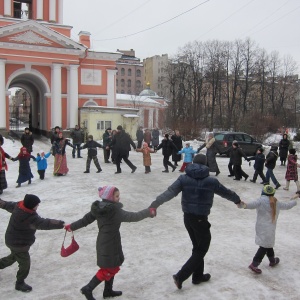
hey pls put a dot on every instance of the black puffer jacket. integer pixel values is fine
(121, 143)
(92, 147)
(236, 155)
(198, 190)
(109, 216)
(272, 158)
(27, 141)
(23, 223)
(167, 147)
(259, 161)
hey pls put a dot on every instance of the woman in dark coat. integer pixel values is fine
(177, 140)
(109, 214)
(27, 140)
(283, 149)
(24, 166)
(211, 151)
(155, 137)
(167, 149)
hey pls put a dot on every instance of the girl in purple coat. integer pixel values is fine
(291, 170)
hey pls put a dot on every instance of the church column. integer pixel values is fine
(111, 81)
(7, 8)
(56, 118)
(2, 95)
(52, 10)
(39, 9)
(60, 11)
(73, 96)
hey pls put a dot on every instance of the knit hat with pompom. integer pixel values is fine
(107, 192)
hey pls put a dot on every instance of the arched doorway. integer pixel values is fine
(35, 87)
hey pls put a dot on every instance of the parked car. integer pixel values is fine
(248, 143)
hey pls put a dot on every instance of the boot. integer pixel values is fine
(274, 261)
(87, 171)
(29, 181)
(278, 185)
(287, 185)
(165, 171)
(203, 278)
(108, 291)
(88, 289)
(99, 170)
(177, 282)
(23, 287)
(254, 267)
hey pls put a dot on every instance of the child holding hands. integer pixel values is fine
(268, 208)
(291, 170)
(146, 156)
(41, 159)
(188, 156)
(109, 214)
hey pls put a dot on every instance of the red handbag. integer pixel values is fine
(64, 252)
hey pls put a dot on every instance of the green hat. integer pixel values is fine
(268, 190)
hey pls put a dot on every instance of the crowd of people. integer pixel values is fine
(197, 188)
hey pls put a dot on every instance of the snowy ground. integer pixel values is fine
(156, 248)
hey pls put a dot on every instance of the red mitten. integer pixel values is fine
(68, 227)
(152, 212)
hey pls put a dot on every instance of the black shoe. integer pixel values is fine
(29, 181)
(246, 177)
(79, 157)
(100, 170)
(108, 293)
(23, 287)
(86, 171)
(118, 172)
(230, 175)
(217, 173)
(203, 278)
(278, 185)
(266, 183)
(108, 162)
(19, 185)
(236, 179)
(165, 171)
(252, 180)
(174, 168)
(177, 282)
(133, 170)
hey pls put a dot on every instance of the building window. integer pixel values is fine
(128, 83)
(122, 82)
(129, 92)
(129, 72)
(117, 82)
(138, 84)
(122, 92)
(123, 71)
(138, 73)
(103, 125)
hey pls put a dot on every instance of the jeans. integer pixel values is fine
(76, 147)
(271, 175)
(198, 229)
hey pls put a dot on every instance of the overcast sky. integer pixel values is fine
(272, 24)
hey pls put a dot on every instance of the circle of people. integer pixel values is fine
(197, 190)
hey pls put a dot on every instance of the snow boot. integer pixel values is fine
(254, 267)
(274, 261)
(108, 291)
(88, 289)
(23, 287)
(203, 278)
(287, 185)
(177, 282)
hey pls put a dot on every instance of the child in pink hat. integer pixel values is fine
(109, 214)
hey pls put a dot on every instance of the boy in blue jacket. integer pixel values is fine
(41, 159)
(259, 163)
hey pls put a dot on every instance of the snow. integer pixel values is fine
(154, 249)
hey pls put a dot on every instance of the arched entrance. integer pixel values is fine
(37, 89)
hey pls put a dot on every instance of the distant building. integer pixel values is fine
(154, 69)
(130, 73)
(151, 107)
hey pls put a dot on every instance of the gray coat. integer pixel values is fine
(109, 216)
(265, 228)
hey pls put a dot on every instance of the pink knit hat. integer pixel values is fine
(107, 192)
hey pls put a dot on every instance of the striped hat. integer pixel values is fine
(107, 192)
(268, 190)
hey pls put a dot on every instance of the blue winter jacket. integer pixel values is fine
(188, 154)
(42, 161)
(198, 190)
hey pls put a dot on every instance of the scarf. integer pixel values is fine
(210, 142)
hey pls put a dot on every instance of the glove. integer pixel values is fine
(68, 227)
(241, 205)
(152, 212)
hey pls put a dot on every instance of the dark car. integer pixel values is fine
(248, 143)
